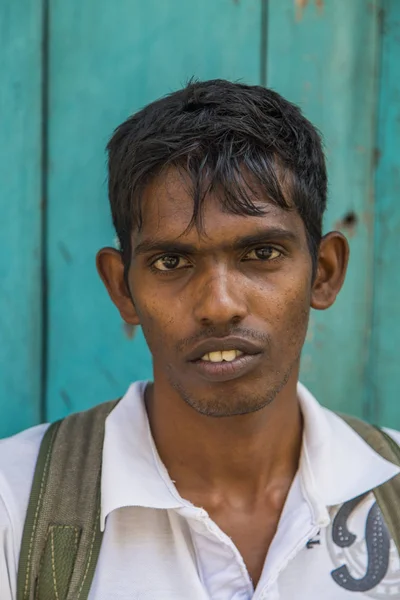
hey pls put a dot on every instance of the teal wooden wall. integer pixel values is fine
(71, 71)
(21, 203)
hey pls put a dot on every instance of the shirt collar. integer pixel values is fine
(335, 465)
(132, 472)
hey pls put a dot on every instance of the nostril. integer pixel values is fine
(236, 320)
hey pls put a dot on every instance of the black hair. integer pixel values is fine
(226, 136)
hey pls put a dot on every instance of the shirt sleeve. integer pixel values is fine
(18, 456)
(8, 567)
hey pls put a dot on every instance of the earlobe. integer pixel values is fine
(112, 273)
(331, 270)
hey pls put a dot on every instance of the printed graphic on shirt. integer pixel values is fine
(364, 556)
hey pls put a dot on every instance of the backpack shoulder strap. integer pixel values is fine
(61, 539)
(387, 494)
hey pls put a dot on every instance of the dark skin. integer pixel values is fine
(231, 446)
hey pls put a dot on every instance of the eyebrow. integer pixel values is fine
(269, 234)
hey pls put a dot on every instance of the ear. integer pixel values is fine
(333, 258)
(112, 272)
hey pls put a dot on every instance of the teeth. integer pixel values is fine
(228, 355)
(215, 356)
(219, 356)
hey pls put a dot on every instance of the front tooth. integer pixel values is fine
(228, 355)
(215, 356)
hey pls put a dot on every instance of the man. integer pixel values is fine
(224, 478)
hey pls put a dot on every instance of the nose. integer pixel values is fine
(219, 299)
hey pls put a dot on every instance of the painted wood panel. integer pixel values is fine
(20, 209)
(383, 369)
(106, 61)
(323, 56)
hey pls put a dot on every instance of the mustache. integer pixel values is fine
(214, 332)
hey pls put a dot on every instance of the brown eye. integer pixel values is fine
(263, 253)
(170, 262)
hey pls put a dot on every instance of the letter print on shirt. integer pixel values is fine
(365, 558)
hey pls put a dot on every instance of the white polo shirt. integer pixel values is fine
(158, 546)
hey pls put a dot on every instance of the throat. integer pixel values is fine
(238, 456)
(239, 469)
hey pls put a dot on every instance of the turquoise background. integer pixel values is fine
(70, 71)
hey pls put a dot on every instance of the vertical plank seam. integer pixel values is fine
(371, 409)
(264, 42)
(44, 203)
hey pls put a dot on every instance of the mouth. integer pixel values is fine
(224, 359)
(225, 349)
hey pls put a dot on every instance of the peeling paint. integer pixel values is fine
(376, 157)
(66, 399)
(367, 218)
(302, 4)
(109, 376)
(348, 223)
(65, 252)
(129, 330)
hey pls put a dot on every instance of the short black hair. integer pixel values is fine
(226, 136)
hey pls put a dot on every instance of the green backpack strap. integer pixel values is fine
(62, 537)
(388, 494)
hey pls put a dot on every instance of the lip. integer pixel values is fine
(246, 346)
(225, 371)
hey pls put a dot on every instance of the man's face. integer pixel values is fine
(237, 288)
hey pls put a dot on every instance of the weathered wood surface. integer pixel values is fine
(20, 214)
(64, 88)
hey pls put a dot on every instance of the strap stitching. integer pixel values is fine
(76, 537)
(39, 578)
(35, 520)
(53, 566)
(90, 554)
(50, 533)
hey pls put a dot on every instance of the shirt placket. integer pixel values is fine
(213, 546)
(302, 517)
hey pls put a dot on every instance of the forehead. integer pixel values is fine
(167, 208)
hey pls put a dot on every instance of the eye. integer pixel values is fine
(170, 262)
(263, 253)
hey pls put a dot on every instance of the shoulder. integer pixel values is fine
(18, 456)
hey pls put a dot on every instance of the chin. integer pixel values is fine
(228, 400)
(219, 409)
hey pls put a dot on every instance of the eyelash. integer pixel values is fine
(175, 255)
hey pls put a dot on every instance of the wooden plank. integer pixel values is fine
(20, 223)
(384, 372)
(323, 56)
(107, 60)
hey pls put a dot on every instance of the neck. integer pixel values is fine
(242, 455)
